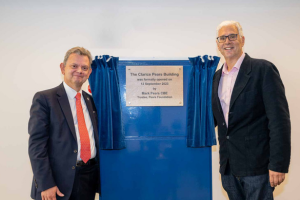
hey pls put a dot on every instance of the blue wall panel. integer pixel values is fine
(156, 163)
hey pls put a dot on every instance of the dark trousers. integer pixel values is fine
(247, 187)
(85, 183)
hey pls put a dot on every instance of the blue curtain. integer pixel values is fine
(200, 121)
(104, 83)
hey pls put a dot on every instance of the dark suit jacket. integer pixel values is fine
(258, 134)
(52, 142)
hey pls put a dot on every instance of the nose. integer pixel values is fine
(227, 40)
(79, 70)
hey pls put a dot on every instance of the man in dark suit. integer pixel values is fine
(63, 140)
(251, 112)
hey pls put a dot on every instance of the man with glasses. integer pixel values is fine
(251, 112)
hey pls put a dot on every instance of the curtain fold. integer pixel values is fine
(200, 122)
(104, 84)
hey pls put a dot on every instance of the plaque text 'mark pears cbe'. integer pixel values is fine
(154, 86)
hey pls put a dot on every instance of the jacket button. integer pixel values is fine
(223, 124)
(73, 167)
(227, 137)
(75, 151)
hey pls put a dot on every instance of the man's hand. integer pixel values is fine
(276, 178)
(50, 194)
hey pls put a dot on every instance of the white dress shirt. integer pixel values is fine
(71, 93)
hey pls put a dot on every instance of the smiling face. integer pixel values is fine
(231, 50)
(76, 71)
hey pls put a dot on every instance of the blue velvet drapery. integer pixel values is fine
(104, 83)
(200, 121)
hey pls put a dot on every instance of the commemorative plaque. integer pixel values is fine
(154, 85)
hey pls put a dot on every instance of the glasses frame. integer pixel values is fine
(227, 36)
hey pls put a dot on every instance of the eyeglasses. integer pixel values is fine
(230, 37)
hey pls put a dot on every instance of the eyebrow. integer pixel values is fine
(228, 34)
(77, 64)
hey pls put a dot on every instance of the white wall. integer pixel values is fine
(36, 34)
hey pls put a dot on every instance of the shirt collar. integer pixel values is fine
(237, 65)
(71, 93)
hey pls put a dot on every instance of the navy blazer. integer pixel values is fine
(258, 136)
(53, 143)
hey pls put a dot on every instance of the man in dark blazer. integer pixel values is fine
(63, 140)
(251, 112)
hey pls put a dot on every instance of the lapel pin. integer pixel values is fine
(87, 98)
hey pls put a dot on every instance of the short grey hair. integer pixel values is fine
(235, 23)
(80, 51)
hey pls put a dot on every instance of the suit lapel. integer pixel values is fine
(92, 113)
(216, 86)
(241, 80)
(65, 106)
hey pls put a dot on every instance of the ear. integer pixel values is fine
(243, 40)
(218, 45)
(62, 68)
(90, 72)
